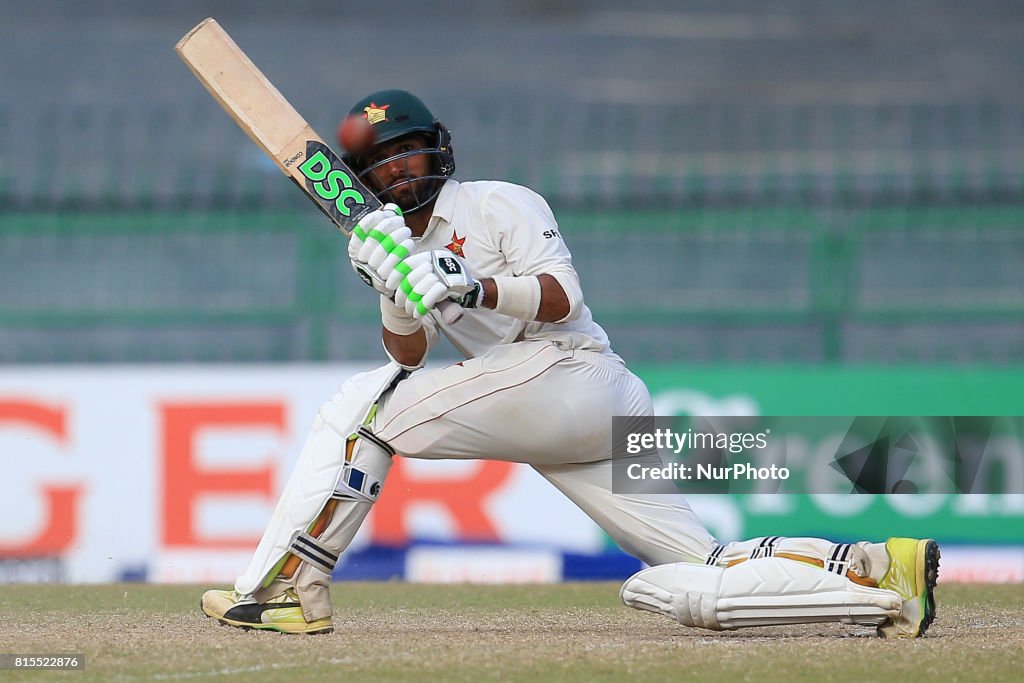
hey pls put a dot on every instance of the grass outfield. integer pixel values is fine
(570, 632)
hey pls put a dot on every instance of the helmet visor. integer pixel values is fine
(405, 171)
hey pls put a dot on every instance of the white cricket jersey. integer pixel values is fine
(502, 229)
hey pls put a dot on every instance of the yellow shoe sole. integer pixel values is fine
(319, 627)
(926, 576)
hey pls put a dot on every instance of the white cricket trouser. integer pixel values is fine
(536, 403)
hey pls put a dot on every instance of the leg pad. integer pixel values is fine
(761, 592)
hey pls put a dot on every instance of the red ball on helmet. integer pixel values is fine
(356, 135)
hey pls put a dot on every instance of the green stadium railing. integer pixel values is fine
(777, 284)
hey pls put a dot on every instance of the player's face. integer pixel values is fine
(402, 172)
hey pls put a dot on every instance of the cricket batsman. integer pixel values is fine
(539, 385)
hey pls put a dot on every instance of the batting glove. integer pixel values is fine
(418, 288)
(440, 266)
(378, 244)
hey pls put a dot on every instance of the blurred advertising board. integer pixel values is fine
(168, 473)
(825, 391)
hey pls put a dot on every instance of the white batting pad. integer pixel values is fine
(317, 471)
(762, 592)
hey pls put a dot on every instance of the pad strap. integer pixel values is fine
(766, 548)
(365, 433)
(357, 484)
(310, 550)
(715, 553)
(839, 558)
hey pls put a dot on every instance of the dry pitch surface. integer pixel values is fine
(568, 632)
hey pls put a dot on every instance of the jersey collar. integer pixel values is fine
(444, 206)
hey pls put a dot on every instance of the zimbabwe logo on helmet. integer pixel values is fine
(376, 114)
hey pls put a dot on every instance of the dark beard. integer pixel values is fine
(408, 197)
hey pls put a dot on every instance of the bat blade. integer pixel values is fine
(272, 123)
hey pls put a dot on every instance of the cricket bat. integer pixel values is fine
(272, 123)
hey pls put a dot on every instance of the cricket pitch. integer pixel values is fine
(563, 632)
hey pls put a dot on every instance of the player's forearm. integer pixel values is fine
(407, 349)
(406, 339)
(553, 306)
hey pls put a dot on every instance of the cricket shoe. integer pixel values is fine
(913, 572)
(281, 613)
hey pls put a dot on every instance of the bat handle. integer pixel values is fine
(450, 311)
